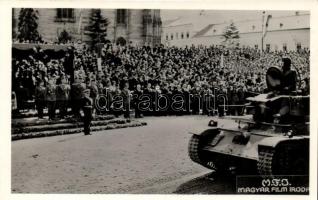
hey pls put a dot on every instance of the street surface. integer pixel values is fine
(145, 160)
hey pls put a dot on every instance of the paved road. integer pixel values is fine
(144, 160)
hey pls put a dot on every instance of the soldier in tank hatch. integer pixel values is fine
(289, 80)
(288, 85)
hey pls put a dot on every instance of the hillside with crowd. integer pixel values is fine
(129, 72)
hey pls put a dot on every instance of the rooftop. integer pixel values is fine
(248, 26)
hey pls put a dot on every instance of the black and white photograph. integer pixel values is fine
(160, 101)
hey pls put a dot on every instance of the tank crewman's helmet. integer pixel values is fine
(87, 91)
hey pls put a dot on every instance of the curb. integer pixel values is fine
(21, 136)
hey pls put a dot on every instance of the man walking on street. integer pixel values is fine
(87, 111)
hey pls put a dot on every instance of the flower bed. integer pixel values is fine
(64, 125)
(35, 122)
(47, 133)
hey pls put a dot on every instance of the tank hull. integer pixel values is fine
(263, 152)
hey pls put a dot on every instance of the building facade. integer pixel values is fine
(175, 32)
(128, 26)
(272, 33)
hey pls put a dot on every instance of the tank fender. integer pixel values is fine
(205, 131)
(274, 141)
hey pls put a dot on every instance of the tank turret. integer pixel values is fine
(271, 140)
(280, 105)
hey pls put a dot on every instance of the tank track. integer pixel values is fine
(199, 156)
(265, 162)
(286, 159)
(194, 148)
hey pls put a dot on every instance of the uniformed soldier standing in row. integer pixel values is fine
(87, 111)
(138, 93)
(62, 95)
(93, 92)
(77, 95)
(40, 93)
(51, 98)
(126, 100)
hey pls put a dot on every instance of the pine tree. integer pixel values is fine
(64, 37)
(97, 27)
(231, 35)
(14, 34)
(28, 25)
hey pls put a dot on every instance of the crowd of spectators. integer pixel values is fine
(200, 75)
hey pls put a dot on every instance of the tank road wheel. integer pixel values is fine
(286, 159)
(201, 157)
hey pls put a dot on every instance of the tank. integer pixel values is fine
(271, 139)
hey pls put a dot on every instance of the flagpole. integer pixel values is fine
(79, 31)
(262, 40)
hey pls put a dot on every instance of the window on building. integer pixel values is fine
(253, 27)
(268, 47)
(281, 25)
(256, 46)
(65, 14)
(167, 37)
(171, 37)
(181, 35)
(298, 46)
(214, 31)
(188, 35)
(121, 16)
(284, 47)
